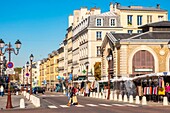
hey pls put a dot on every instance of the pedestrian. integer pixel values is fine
(2, 90)
(167, 91)
(87, 90)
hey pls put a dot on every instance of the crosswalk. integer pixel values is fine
(93, 105)
(52, 95)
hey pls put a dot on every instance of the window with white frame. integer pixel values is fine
(98, 50)
(99, 22)
(139, 31)
(129, 19)
(99, 35)
(160, 18)
(149, 18)
(130, 31)
(139, 20)
(112, 22)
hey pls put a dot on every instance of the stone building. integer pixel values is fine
(134, 54)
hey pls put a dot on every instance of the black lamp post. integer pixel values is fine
(109, 58)
(72, 73)
(27, 64)
(23, 77)
(87, 66)
(31, 59)
(9, 49)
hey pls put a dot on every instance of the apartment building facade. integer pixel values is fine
(131, 17)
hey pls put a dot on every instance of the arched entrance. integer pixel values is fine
(143, 62)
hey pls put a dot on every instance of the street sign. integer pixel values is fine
(10, 71)
(10, 64)
(27, 74)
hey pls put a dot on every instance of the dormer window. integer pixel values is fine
(112, 22)
(99, 22)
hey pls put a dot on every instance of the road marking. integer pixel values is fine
(131, 105)
(105, 105)
(64, 106)
(52, 106)
(117, 104)
(93, 105)
(79, 105)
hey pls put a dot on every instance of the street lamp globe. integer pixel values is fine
(31, 57)
(27, 64)
(2, 43)
(18, 44)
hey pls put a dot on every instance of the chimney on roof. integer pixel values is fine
(111, 6)
(118, 4)
(158, 6)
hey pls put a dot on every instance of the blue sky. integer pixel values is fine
(41, 24)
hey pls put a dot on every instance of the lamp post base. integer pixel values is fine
(9, 103)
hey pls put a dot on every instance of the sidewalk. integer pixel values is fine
(15, 102)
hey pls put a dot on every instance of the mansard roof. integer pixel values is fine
(109, 13)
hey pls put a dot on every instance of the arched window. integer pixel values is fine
(143, 62)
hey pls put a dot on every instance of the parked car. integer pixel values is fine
(38, 89)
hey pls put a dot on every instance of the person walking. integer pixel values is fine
(2, 90)
(167, 91)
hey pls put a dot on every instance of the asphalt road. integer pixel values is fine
(57, 103)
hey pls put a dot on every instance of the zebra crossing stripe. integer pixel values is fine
(64, 106)
(105, 105)
(131, 105)
(79, 105)
(117, 105)
(93, 105)
(52, 106)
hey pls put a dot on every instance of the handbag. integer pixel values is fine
(75, 100)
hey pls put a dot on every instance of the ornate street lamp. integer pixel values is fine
(87, 66)
(109, 58)
(9, 49)
(23, 77)
(27, 64)
(31, 59)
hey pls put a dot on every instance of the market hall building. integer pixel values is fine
(137, 54)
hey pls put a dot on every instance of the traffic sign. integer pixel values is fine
(27, 74)
(10, 64)
(10, 71)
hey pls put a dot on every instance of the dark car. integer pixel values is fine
(38, 90)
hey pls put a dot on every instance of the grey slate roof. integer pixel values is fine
(157, 24)
(140, 9)
(154, 35)
(123, 35)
